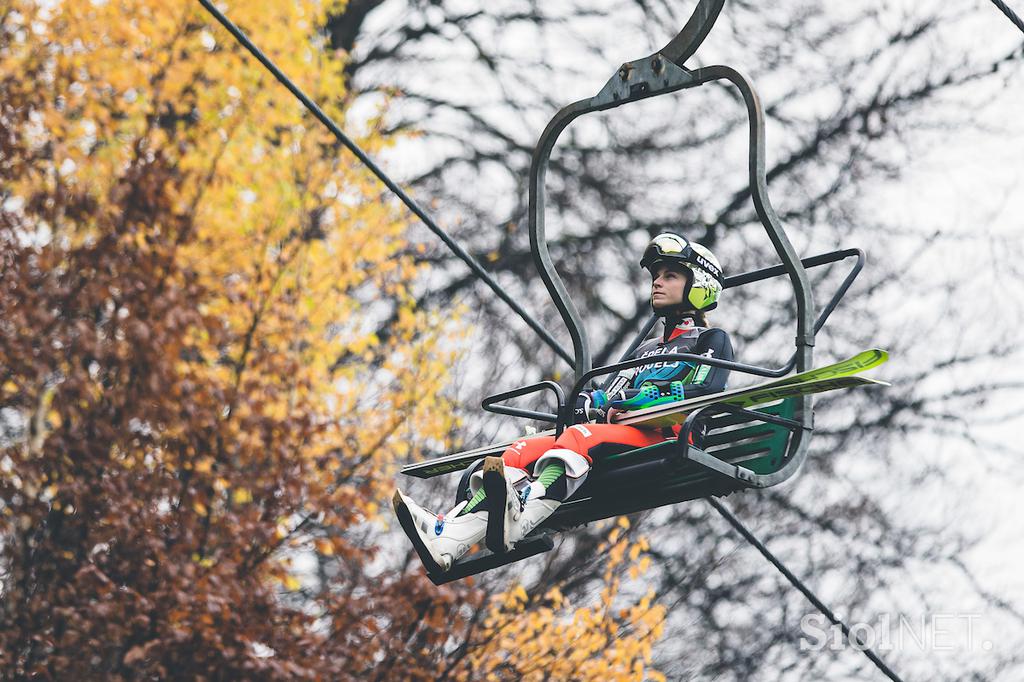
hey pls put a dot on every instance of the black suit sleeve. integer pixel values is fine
(705, 379)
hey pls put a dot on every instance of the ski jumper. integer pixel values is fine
(592, 441)
(502, 500)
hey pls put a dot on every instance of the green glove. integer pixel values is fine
(649, 395)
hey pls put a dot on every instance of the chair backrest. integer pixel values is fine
(759, 446)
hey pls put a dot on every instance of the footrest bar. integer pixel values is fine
(711, 462)
(485, 560)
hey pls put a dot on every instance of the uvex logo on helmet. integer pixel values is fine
(707, 265)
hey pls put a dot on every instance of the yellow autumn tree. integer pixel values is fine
(545, 637)
(212, 362)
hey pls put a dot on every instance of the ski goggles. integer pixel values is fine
(666, 244)
(672, 247)
(669, 246)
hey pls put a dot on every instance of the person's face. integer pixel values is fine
(668, 285)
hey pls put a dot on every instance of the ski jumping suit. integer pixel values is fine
(580, 444)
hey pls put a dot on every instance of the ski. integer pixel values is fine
(860, 362)
(844, 368)
(676, 413)
(460, 460)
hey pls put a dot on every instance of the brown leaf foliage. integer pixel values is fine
(165, 459)
(196, 427)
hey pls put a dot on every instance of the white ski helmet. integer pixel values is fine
(706, 278)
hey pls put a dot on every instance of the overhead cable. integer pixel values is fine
(806, 591)
(1010, 14)
(455, 248)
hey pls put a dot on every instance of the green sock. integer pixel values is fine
(550, 474)
(552, 471)
(474, 503)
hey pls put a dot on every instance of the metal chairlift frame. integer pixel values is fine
(660, 74)
(663, 73)
(741, 446)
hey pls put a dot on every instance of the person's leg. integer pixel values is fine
(518, 459)
(439, 539)
(561, 471)
(558, 473)
(442, 539)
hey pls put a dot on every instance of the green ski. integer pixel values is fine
(672, 414)
(844, 368)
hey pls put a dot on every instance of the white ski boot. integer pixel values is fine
(511, 514)
(535, 511)
(504, 505)
(439, 539)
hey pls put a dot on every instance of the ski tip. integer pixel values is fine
(882, 354)
(866, 359)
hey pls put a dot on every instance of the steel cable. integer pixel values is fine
(1010, 14)
(804, 590)
(455, 248)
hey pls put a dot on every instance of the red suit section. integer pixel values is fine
(581, 438)
(594, 440)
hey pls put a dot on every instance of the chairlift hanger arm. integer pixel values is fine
(638, 80)
(659, 74)
(684, 45)
(349, 144)
(766, 213)
(634, 81)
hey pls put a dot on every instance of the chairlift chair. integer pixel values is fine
(737, 448)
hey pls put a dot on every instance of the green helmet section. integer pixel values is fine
(706, 278)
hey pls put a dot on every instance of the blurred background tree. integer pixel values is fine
(199, 423)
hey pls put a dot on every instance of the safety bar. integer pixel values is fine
(637, 362)
(489, 402)
(684, 45)
(811, 262)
